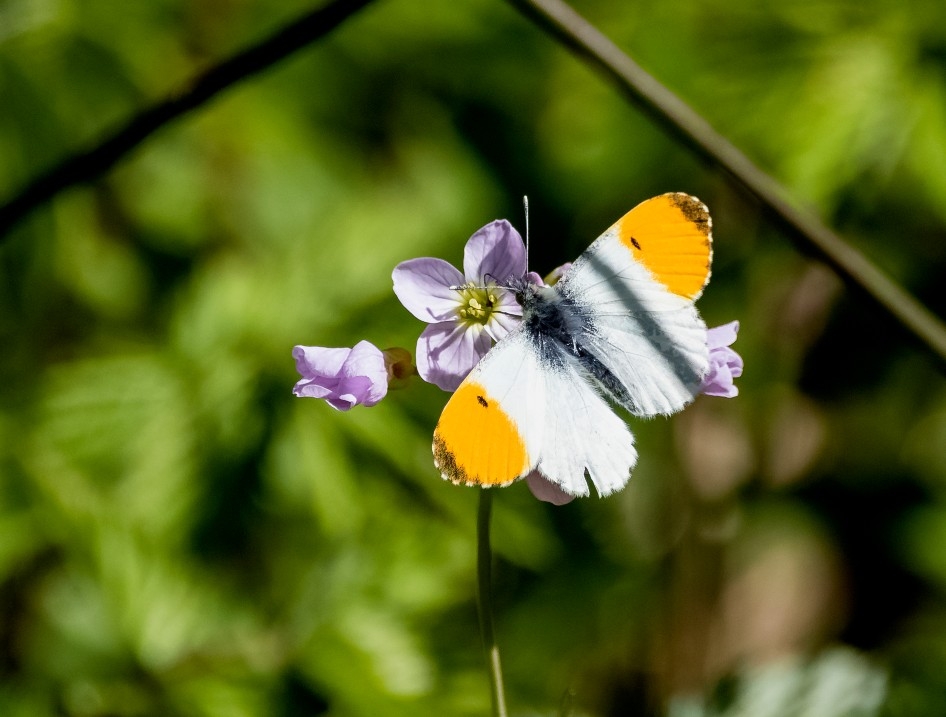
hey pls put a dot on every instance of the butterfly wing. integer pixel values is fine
(528, 405)
(634, 289)
(490, 431)
(672, 236)
(580, 431)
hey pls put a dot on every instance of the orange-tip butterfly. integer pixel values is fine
(620, 323)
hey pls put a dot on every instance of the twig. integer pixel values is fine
(89, 164)
(671, 113)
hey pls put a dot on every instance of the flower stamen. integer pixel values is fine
(476, 303)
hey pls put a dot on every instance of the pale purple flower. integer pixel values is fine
(724, 363)
(546, 491)
(347, 377)
(466, 312)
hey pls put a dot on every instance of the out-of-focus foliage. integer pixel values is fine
(181, 536)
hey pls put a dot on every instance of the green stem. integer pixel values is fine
(484, 565)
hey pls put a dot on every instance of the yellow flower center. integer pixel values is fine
(477, 303)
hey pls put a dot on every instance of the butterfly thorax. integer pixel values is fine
(559, 330)
(546, 312)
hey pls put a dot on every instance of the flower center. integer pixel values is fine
(476, 303)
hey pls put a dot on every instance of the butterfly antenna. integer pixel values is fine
(525, 208)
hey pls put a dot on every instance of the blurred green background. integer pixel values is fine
(179, 535)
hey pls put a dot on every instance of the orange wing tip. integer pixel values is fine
(476, 441)
(445, 462)
(671, 235)
(693, 210)
(698, 213)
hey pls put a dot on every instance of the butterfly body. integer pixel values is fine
(615, 326)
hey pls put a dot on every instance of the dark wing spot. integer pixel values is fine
(693, 210)
(446, 462)
(636, 244)
(482, 401)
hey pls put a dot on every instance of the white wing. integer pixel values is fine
(580, 431)
(490, 432)
(529, 405)
(651, 340)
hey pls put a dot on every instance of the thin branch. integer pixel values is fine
(672, 114)
(89, 164)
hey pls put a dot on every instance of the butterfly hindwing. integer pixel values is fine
(580, 431)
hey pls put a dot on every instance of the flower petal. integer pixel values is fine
(720, 384)
(347, 398)
(318, 360)
(725, 364)
(545, 490)
(307, 388)
(506, 315)
(732, 360)
(365, 374)
(447, 352)
(423, 286)
(724, 335)
(496, 253)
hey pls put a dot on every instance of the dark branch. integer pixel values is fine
(673, 115)
(88, 165)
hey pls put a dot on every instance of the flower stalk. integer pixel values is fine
(484, 602)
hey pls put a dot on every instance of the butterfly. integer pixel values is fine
(620, 324)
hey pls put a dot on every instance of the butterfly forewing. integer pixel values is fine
(637, 318)
(487, 434)
(671, 235)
